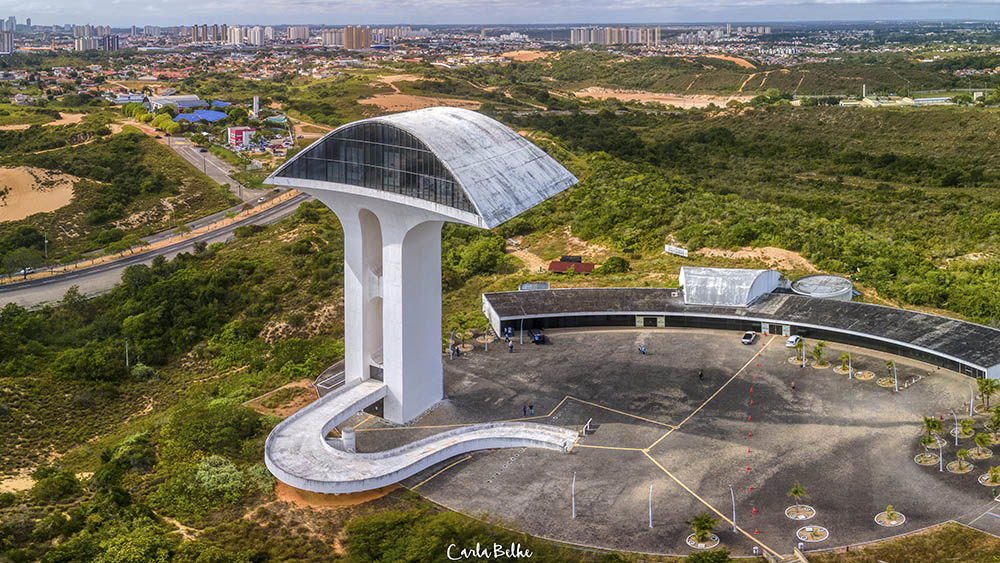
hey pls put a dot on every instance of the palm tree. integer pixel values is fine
(994, 475)
(890, 513)
(966, 425)
(993, 424)
(961, 454)
(889, 364)
(703, 525)
(982, 443)
(932, 425)
(987, 387)
(845, 359)
(926, 442)
(817, 353)
(800, 348)
(797, 491)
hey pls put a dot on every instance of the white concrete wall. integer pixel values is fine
(392, 298)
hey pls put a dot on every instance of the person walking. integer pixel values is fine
(701, 375)
(531, 410)
(510, 346)
(793, 386)
(642, 349)
(524, 410)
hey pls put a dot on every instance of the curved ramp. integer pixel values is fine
(298, 453)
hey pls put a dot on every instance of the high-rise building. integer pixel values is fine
(110, 43)
(6, 42)
(151, 31)
(298, 33)
(357, 37)
(86, 44)
(615, 36)
(134, 31)
(235, 35)
(268, 33)
(729, 29)
(333, 37)
(255, 35)
(27, 24)
(11, 23)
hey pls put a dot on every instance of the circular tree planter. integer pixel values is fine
(824, 365)
(981, 409)
(864, 375)
(976, 453)
(840, 371)
(882, 519)
(926, 459)
(954, 467)
(984, 480)
(798, 361)
(812, 534)
(800, 512)
(708, 544)
(962, 435)
(887, 382)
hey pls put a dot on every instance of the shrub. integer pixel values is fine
(615, 265)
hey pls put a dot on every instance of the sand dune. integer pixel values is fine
(25, 191)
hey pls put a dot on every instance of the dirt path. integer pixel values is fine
(115, 129)
(769, 255)
(532, 262)
(307, 499)
(22, 481)
(527, 55)
(290, 407)
(187, 533)
(696, 77)
(398, 101)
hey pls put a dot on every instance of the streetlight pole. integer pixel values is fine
(895, 377)
(574, 494)
(972, 398)
(940, 458)
(956, 426)
(732, 495)
(850, 365)
(651, 506)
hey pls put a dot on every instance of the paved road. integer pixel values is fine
(99, 279)
(216, 168)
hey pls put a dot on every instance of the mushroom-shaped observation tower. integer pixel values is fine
(393, 181)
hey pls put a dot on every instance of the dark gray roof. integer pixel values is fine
(971, 343)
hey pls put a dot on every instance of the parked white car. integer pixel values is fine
(793, 341)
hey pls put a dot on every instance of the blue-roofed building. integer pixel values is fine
(220, 104)
(208, 115)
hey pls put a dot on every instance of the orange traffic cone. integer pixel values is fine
(751, 489)
(754, 511)
(749, 418)
(755, 531)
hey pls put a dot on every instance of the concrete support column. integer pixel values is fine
(355, 368)
(412, 318)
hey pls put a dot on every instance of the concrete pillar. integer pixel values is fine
(392, 300)
(349, 440)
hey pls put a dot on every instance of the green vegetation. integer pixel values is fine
(898, 200)
(11, 114)
(121, 176)
(703, 526)
(945, 542)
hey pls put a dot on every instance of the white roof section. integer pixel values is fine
(501, 172)
(728, 287)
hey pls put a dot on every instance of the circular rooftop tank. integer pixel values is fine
(824, 286)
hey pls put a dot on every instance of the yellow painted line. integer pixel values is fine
(610, 448)
(717, 391)
(466, 458)
(369, 417)
(622, 412)
(413, 427)
(658, 440)
(553, 411)
(710, 507)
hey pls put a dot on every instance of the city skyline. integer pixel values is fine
(123, 13)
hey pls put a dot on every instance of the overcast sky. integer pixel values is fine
(275, 12)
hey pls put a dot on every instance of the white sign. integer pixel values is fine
(675, 250)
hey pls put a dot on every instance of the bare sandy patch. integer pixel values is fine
(307, 499)
(288, 408)
(407, 102)
(684, 101)
(25, 191)
(22, 481)
(64, 119)
(771, 256)
(741, 62)
(527, 55)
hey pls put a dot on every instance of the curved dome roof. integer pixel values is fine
(502, 173)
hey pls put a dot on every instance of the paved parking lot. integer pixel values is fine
(655, 423)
